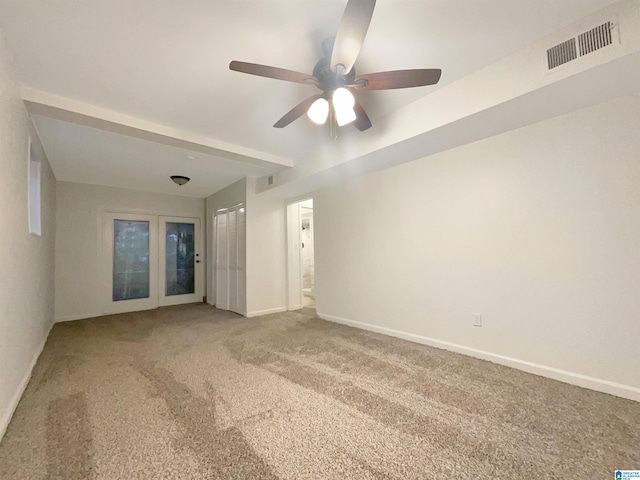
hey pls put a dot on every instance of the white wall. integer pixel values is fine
(537, 229)
(79, 216)
(26, 276)
(266, 260)
(230, 196)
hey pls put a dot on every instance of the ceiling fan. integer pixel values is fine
(335, 76)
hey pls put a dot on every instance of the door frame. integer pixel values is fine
(293, 222)
(294, 256)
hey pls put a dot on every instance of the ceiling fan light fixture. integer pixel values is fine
(335, 69)
(319, 111)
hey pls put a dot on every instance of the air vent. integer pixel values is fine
(270, 180)
(562, 53)
(584, 44)
(595, 38)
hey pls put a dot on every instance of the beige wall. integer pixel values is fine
(26, 275)
(230, 196)
(266, 257)
(537, 230)
(79, 217)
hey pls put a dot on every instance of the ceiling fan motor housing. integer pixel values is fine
(329, 80)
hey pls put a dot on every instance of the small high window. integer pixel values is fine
(35, 224)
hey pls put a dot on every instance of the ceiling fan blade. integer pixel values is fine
(362, 121)
(353, 28)
(296, 112)
(272, 72)
(397, 79)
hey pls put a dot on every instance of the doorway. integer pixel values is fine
(149, 261)
(300, 255)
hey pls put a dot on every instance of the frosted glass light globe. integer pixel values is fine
(343, 99)
(319, 111)
(343, 117)
(343, 103)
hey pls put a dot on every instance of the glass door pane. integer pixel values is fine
(180, 258)
(130, 260)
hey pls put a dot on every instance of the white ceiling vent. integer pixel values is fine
(580, 45)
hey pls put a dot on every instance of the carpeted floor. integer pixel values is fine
(192, 392)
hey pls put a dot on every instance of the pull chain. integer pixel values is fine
(333, 123)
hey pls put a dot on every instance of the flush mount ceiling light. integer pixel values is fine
(335, 76)
(180, 179)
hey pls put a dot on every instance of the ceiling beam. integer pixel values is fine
(615, 80)
(54, 106)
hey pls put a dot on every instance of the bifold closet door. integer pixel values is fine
(232, 242)
(229, 234)
(222, 262)
(242, 262)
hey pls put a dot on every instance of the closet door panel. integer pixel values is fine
(222, 262)
(242, 263)
(233, 261)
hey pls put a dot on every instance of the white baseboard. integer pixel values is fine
(11, 408)
(605, 386)
(78, 317)
(257, 313)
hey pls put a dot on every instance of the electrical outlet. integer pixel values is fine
(477, 320)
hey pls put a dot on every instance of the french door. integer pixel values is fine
(150, 261)
(179, 261)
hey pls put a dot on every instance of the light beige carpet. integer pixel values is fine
(192, 392)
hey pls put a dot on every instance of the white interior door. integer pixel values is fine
(129, 263)
(180, 262)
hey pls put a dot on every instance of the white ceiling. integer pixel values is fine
(166, 62)
(88, 155)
